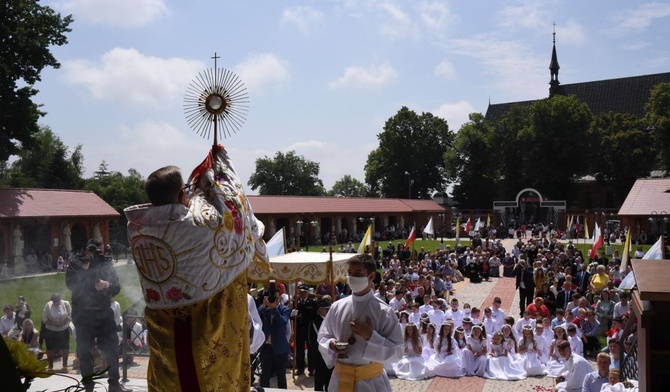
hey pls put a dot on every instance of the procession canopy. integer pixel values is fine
(308, 267)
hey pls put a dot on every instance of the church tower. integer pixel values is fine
(554, 67)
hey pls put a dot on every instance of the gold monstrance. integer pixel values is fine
(216, 100)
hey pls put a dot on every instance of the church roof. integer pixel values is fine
(648, 197)
(51, 203)
(623, 95)
(338, 205)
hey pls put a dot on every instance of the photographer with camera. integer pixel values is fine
(274, 353)
(94, 283)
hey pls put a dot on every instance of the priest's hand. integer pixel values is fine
(362, 329)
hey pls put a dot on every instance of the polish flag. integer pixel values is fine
(597, 243)
(467, 227)
(412, 236)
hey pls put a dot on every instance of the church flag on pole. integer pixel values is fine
(367, 240)
(429, 227)
(411, 238)
(277, 244)
(626, 250)
(458, 227)
(597, 242)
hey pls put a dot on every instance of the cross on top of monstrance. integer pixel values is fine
(216, 100)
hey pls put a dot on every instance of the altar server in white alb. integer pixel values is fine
(370, 328)
(576, 369)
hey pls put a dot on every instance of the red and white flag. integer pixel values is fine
(412, 236)
(467, 227)
(597, 243)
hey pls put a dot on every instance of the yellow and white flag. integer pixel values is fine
(626, 250)
(367, 240)
(586, 229)
(458, 227)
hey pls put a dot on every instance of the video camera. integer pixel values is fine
(271, 292)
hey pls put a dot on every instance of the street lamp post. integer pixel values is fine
(409, 179)
(308, 234)
(658, 217)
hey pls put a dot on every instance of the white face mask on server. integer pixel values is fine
(358, 283)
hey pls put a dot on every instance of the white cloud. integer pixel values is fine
(456, 114)
(263, 72)
(148, 145)
(117, 13)
(528, 14)
(436, 15)
(445, 70)
(128, 76)
(373, 76)
(400, 23)
(640, 18)
(571, 33)
(518, 73)
(637, 45)
(302, 17)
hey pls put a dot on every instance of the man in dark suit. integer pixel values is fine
(274, 353)
(321, 372)
(525, 284)
(582, 279)
(564, 296)
(306, 313)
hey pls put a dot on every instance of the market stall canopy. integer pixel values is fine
(308, 267)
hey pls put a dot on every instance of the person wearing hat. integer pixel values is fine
(321, 372)
(306, 307)
(94, 283)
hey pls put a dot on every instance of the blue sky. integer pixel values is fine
(323, 76)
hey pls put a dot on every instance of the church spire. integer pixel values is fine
(554, 67)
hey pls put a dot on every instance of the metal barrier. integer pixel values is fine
(131, 336)
(628, 365)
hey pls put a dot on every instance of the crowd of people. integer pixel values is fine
(568, 306)
(93, 318)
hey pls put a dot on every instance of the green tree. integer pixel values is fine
(410, 150)
(287, 174)
(120, 192)
(658, 119)
(470, 164)
(27, 30)
(554, 143)
(348, 187)
(621, 152)
(49, 164)
(507, 151)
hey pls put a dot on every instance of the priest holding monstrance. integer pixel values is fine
(192, 246)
